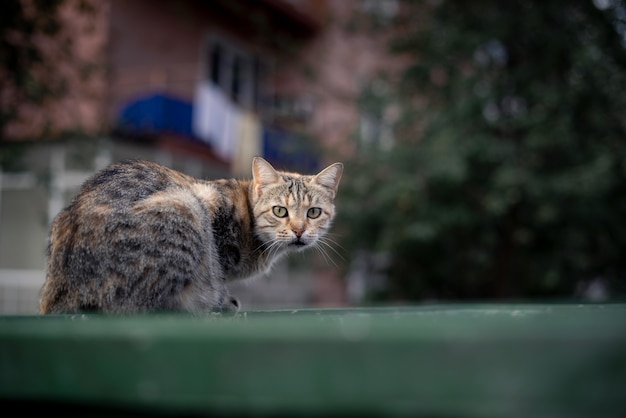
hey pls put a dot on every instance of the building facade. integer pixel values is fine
(201, 87)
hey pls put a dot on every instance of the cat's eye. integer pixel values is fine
(314, 213)
(280, 211)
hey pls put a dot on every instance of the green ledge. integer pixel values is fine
(442, 360)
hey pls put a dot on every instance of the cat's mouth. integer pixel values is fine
(298, 243)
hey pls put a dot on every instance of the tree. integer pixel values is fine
(508, 176)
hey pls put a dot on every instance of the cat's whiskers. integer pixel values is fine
(266, 250)
(270, 250)
(333, 237)
(326, 257)
(261, 248)
(322, 244)
(330, 243)
(331, 234)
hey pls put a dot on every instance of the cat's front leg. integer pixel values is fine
(234, 305)
(231, 306)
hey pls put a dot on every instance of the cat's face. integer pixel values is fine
(293, 211)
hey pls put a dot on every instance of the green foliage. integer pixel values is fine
(509, 178)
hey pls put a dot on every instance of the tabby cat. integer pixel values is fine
(141, 237)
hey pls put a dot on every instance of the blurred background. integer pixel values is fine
(484, 141)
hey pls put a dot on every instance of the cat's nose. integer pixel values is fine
(298, 231)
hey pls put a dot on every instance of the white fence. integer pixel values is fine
(19, 291)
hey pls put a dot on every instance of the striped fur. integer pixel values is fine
(142, 237)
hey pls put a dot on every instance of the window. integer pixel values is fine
(215, 63)
(237, 72)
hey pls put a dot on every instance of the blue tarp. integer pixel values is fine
(156, 113)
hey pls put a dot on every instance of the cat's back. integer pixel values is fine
(119, 199)
(121, 233)
(123, 184)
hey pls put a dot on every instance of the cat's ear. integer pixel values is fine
(329, 177)
(262, 174)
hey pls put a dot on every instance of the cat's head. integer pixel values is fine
(292, 211)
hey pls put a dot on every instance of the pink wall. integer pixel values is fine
(81, 107)
(139, 47)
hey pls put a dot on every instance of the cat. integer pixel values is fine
(141, 237)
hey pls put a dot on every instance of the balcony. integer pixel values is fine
(232, 134)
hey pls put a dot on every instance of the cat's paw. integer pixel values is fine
(230, 307)
(235, 305)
